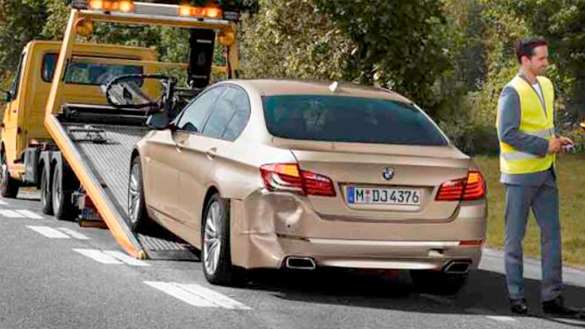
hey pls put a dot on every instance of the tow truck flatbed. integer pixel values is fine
(105, 151)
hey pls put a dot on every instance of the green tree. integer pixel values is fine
(16, 29)
(396, 44)
(562, 23)
(399, 44)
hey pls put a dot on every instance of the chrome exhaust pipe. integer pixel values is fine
(300, 263)
(457, 267)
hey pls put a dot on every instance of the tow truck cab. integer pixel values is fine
(23, 131)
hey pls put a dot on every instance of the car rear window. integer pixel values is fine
(349, 119)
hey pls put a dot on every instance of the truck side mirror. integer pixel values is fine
(7, 96)
(158, 121)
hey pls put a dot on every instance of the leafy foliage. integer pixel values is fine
(390, 43)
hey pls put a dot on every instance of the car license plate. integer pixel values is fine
(383, 196)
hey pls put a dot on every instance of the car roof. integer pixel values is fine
(271, 87)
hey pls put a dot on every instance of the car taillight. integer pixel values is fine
(289, 177)
(464, 189)
(475, 186)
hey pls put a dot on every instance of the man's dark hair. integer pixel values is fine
(525, 47)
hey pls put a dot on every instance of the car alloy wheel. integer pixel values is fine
(134, 195)
(212, 238)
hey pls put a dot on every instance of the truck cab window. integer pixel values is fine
(16, 81)
(85, 71)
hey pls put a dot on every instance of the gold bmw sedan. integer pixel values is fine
(301, 175)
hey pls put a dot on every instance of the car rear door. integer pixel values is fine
(165, 157)
(204, 151)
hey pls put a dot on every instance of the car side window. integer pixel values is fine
(194, 114)
(240, 117)
(221, 114)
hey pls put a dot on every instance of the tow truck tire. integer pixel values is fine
(136, 202)
(437, 282)
(215, 243)
(61, 195)
(8, 185)
(46, 193)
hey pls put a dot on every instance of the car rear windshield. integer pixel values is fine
(349, 119)
(82, 71)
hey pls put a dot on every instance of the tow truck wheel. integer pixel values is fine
(438, 282)
(136, 203)
(46, 195)
(8, 185)
(215, 248)
(61, 196)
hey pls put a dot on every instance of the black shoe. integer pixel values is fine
(556, 307)
(518, 306)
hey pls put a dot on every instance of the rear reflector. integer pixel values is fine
(289, 177)
(470, 188)
(471, 243)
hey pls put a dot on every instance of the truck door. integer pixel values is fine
(12, 133)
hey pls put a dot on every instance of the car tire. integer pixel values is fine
(62, 189)
(46, 192)
(137, 213)
(215, 243)
(8, 185)
(438, 282)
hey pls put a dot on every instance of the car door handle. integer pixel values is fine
(211, 153)
(180, 144)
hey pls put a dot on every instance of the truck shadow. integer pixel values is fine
(484, 294)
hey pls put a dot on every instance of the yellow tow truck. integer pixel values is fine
(62, 133)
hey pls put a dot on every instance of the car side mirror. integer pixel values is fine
(159, 121)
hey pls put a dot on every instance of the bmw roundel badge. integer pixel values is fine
(388, 173)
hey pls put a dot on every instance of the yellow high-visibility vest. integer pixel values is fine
(533, 121)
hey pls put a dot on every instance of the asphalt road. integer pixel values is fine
(55, 274)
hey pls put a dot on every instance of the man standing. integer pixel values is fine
(528, 146)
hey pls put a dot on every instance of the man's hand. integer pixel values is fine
(566, 141)
(568, 146)
(554, 145)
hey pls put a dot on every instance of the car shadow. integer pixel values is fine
(484, 293)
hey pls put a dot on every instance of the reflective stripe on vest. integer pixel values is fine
(533, 122)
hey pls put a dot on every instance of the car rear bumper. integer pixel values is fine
(268, 228)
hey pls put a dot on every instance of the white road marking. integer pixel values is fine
(215, 297)
(29, 214)
(49, 232)
(98, 256)
(111, 257)
(11, 214)
(73, 234)
(125, 258)
(196, 295)
(491, 315)
(176, 291)
(501, 318)
(3, 203)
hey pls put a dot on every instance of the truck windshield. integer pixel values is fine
(83, 72)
